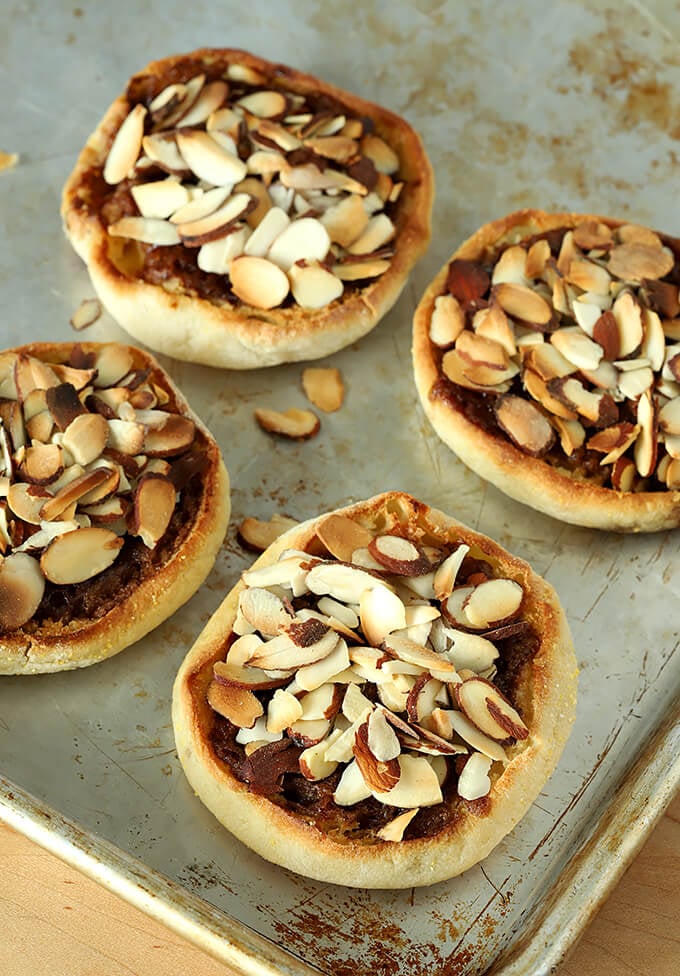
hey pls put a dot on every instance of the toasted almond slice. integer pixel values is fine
(258, 282)
(592, 235)
(162, 149)
(345, 221)
(577, 348)
(42, 463)
(22, 585)
(637, 261)
(216, 256)
(313, 765)
(85, 437)
(380, 775)
(395, 829)
(317, 673)
(103, 513)
(624, 474)
(492, 323)
(293, 423)
(484, 705)
(479, 350)
(283, 710)
(173, 437)
(547, 361)
(322, 703)
(159, 198)
(418, 784)
(113, 362)
(474, 377)
(381, 612)
(357, 270)
(245, 73)
(537, 388)
(154, 504)
(32, 374)
(86, 314)
(523, 303)
(595, 406)
(447, 322)
(586, 315)
(264, 104)
(571, 432)
(493, 601)
(474, 781)
(73, 492)
(209, 100)
(79, 555)
(399, 556)
(323, 386)
(240, 676)
(383, 157)
(470, 651)
(125, 146)
(446, 572)
(303, 239)
(378, 232)
(304, 642)
(511, 267)
(672, 474)
(382, 739)
(308, 732)
(352, 787)
(147, 230)
(194, 233)
(270, 227)
(628, 314)
(589, 277)
(524, 424)
(633, 382)
(646, 444)
(341, 536)
(258, 535)
(614, 441)
(342, 582)
(26, 501)
(263, 610)
(453, 608)
(238, 705)
(313, 286)
(208, 160)
(198, 207)
(669, 416)
(608, 335)
(339, 148)
(411, 653)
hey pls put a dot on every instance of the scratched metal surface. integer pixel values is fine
(567, 105)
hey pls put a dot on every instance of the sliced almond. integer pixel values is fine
(86, 314)
(614, 441)
(153, 507)
(42, 463)
(411, 653)
(216, 256)
(303, 643)
(577, 348)
(264, 104)
(589, 277)
(395, 829)
(446, 572)
(195, 233)
(125, 146)
(493, 601)
(492, 323)
(162, 150)
(478, 349)
(487, 708)
(343, 583)
(85, 437)
(314, 286)
(258, 282)
(239, 705)
(378, 231)
(592, 235)
(283, 710)
(669, 417)
(345, 221)
(524, 423)
(313, 764)
(323, 387)
(159, 198)
(200, 206)
(418, 784)
(209, 160)
(399, 556)
(597, 407)
(258, 535)
(381, 612)
(465, 374)
(22, 585)
(147, 230)
(628, 314)
(77, 489)
(351, 787)
(637, 261)
(646, 447)
(571, 432)
(239, 676)
(293, 423)
(264, 610)
(523, 303)
(305, 239)
(208, 100)
(474, 781)
(511, 267)
(624, 474)
(447, 322)
(80, 555)
(380, 775)
(272, 224)
(26, 501)
(342, 536)
(547, 361)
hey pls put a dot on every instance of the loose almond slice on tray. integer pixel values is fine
(591, 335)
(292, 423)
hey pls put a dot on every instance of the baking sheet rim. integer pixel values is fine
(640, 797)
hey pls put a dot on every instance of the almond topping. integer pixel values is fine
(208, 160)
(21, 589)
(263, 610)
(154, 504)
(125, 147)
(381, 612)
(399, 556)
(447, 322)
(194, 233)
(380, 776)
(342, 536)
(85, 437)
(474, 781)
(86, 314)
(313, 286)
(258, 282)
(522, 303)
(493, 715)
(493, 601)
(42, 464)
(148, 230)
(238, 705)
(79, 555)
(238, 676)
(524, 423)
(638, 261)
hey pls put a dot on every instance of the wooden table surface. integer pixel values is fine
(55, 922)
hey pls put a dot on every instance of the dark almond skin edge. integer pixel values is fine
(554, 491)
(546, 694)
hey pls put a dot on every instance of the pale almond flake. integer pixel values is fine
(525, 424)
(159, 198)
(87, 313)
(208, 160)
(523, 303)
(305, 239)
(216, 256)
(383, 157)
(447, 321)
(270, 227)
(511, 267)
(323, 387)
(314, 286)
(637, 261)
(125, 147)
(345, 221)
(194, 233)
(147, 230)
(493, 715)
(208, 101)
(474, 781)
(199, 206)
(162, 150)
(356, 271)
(263, 610)
(77, 556)
(378, 231)
(342, 536)
(293, 423)
(258, 282)
(381, 613)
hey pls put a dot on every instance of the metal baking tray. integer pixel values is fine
(570, 105)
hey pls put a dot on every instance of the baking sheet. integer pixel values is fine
(570, 105)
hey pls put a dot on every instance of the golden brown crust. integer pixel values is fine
(160, 592)
(554, 491)
(182, 324)
(547, 693)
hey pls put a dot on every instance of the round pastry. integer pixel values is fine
(380, 698)
(114, 501)
(546, 354)
(239, 213)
